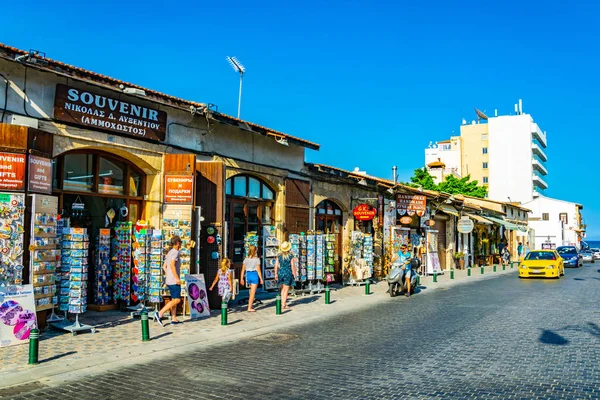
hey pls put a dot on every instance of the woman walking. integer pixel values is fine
(285, 270)
(224, 281)
(251, 267)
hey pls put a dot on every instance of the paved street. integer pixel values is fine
(494, 338)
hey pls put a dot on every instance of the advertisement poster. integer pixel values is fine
(12, 171)
(196, 290)
(12, 210)
(17, 314)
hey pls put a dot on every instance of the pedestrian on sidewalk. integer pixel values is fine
(505, 255)
(251, 268)
(520, 250)
(224, 281)
(171, 269)
(285, 271)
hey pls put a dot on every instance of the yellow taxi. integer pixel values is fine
(542, 264)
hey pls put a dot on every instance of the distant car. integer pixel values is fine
(570, 256)
(587, 256)
(596, 253)
(542, 264)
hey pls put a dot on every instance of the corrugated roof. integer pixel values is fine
(91, 77)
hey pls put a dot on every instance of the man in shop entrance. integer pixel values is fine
(171, 269)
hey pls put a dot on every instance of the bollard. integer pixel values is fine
(503, 267)
(34, 346)
(327, 295)
(468, 271)
(278, 305)
(482, 270)
(452, 274)
(367, 287)
(145, 326)
(223, 313)
(435, 277)
(418, 280)
(494, 267)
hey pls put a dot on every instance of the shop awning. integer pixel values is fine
(449, 209)
(506, 224)
(479, 219)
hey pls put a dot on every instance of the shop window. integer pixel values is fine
(228, 185)
(110, 176)
(239, 186)
(253, 188)
(268, 194)
(135, 184)
(78, 172)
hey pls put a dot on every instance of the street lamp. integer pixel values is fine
(239, 68)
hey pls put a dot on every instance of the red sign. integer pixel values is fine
(12, 171)
(40, 175)
(411, 204)
(364, 212)
(429, 222)
(179, 189)
(405, 220)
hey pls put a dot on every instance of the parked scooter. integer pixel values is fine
(396, 278)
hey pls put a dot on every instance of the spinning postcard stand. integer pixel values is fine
(147, 269)
(270, 250)
(315, 255)
(103, 295)
(360, 265)
(122, 255)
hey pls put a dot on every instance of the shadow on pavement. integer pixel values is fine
(579, 279)
(162, 335)
(68, 353)
(549, 337)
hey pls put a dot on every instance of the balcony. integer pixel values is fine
(539, 167)
(537, 133)
(538, 182)
(537, 150)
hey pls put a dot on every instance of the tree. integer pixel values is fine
(451, 184)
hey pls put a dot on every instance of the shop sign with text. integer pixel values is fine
(364, 212)
(411, 204)
(179, 189)
(12, 171)
(40, 175)
(98, 111)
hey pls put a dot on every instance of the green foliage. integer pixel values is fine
(451, 184)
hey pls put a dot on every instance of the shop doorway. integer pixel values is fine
(329, 219)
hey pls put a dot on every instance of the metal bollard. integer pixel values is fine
(327, 295)
(34, 346)
(452, 274)
(435, 277)
(367, 287)
(278, 305)
(494, 267)
(468, 271)
(223, 313)
(503, 267)
(482, 270)
(145, 326)
(418, 280)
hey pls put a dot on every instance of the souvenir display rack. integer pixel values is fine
(140, 272)
(73, 285)
(310, 250)
(45, 251)
(122, 274)
(102, 294)
(12, 208)
(329, 263)
(270, 251)
(360, 265)
(156, 261)
(183, 229)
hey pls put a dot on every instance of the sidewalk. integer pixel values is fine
(117, 341)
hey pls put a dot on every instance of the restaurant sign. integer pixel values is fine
(97, 111)
(179, 189)
(12, 171)
(364, 212)
(411, 204)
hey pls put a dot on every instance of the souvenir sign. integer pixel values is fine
(179, 189)
(405, 220)
(465, 225)
(12, 171)
(364, 212)
(40, 174)
(411, 204)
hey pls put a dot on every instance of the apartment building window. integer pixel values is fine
(484, 136)
(485, 179)
(545, 217)
(485, 150)
(564, 218)
(485, 165)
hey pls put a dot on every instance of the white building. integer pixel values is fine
(516, 167)
(444, 158)
(555, 222)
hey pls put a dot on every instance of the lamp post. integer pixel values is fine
(240, 69)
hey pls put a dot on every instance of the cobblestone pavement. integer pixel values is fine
(497, 338)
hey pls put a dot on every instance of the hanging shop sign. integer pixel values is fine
(179, 189)
(406, 220)
(97, 111)
(12, 171)
(40, 175)
(465, 225)
(364, 212)
(429, 222)
(411, 204)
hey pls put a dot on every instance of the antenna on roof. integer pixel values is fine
(239, 68)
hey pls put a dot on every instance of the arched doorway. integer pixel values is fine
(329, 219)
(249, 205)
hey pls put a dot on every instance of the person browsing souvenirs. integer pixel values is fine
(171, 269)
(403, 258)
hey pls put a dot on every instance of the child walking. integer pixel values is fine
(224, 280)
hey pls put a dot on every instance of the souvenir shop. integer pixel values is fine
(360, 256)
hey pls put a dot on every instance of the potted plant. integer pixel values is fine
(459, 257)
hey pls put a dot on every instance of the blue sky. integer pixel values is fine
(372, 82)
